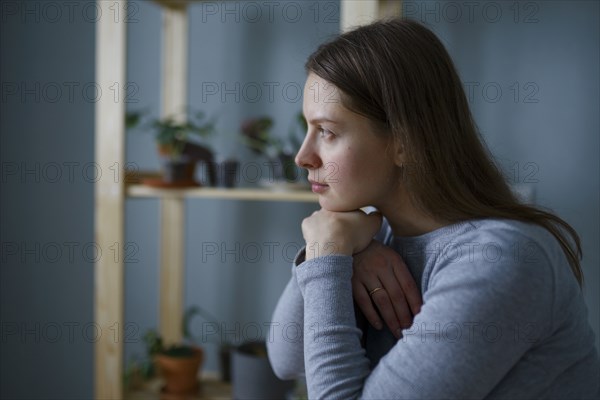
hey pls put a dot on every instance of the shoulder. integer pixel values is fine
(510, 229)
(503, 254)
(511, 242)
(497, 270)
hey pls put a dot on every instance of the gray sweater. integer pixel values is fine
(503, 317)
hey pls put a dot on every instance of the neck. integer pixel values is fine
(407, 220)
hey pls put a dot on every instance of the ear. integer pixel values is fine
(399, 155)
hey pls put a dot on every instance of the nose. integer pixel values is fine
(307, 156)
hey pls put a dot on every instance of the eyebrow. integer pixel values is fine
(318, 120)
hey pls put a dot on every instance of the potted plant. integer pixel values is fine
(253, 376)
(177, 364)
(176, 144)
(225, 347)
(256, 133)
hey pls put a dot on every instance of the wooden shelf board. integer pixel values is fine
(223, 193)
(175, 3)
(210, 389)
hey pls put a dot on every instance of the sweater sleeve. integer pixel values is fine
(285, 346)
(481, 313)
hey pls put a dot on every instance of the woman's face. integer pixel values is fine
(349, 165)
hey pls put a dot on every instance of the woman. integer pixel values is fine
(503, 313)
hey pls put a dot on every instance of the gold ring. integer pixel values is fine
(374, 290)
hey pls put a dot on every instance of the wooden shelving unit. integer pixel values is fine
(221, 193)
(210, 389)
(110, 194)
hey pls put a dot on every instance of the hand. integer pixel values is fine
(400, 299)
(347, 233)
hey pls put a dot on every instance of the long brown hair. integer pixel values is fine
(398, 74)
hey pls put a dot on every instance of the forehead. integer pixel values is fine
(322, 99)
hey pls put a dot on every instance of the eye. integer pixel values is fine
(324, 133)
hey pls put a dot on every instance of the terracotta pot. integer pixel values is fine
(180, 373)
(164, 150)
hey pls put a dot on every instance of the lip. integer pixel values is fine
(318, 187)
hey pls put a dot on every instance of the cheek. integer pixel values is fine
(342, 170)
(334, 169)
(353, 183)
(368, 170)
(358, 168)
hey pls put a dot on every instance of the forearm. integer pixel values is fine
(285, 344)
(472, 307)
(336, 362)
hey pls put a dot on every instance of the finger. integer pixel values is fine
(362, 299)
(393, 307)
(402, 316)
(399, 307)
(410, 290)
(383, 303)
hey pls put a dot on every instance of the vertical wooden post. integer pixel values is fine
(389, 8)
(361, 12)
(174, 104)
(357, 12)
(174, 56)
(171, 268)
(109, 199)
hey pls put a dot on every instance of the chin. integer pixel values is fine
(337, 206)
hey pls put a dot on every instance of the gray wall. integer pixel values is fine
(46, 297)
(46, 301)
(532, 72)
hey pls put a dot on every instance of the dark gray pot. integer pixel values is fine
(229, 173)
(252, 376)
(181, 170)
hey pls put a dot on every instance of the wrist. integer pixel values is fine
(316, 249)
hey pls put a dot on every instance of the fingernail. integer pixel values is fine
(399, 333)
(377, 325)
